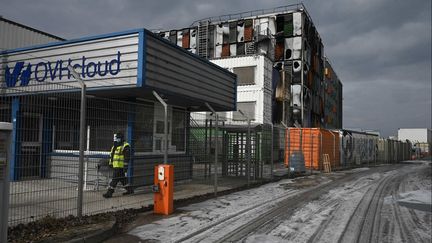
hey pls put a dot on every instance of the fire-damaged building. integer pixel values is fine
(283, 74)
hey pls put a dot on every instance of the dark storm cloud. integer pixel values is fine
(382, 53)
(381, 49)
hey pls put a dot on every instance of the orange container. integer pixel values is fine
(315, 143)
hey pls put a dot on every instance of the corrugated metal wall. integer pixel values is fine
(168, 68)
(15, 36)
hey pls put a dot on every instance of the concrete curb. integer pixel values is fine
(97, 236)
(100, 234)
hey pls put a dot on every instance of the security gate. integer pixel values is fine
(235, 142)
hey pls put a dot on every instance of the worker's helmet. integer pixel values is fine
(118, 137)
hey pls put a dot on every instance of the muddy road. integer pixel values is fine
(388, 203)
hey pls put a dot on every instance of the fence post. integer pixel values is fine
(5, 146)
(82, 141)
(216, 148)
(205, 148)
(271, 151)
(165, 105)
(210, 145)
(311, 151)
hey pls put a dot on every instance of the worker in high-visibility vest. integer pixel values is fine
(119, 159)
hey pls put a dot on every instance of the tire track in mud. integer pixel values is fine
(351, 188)
(232, 217)
(373, 220)
(406, 219)
(395, 213)
(264, 216)
(288, 207)
(360, 225)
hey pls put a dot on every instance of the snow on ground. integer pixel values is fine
(359, 169)
(307, 219)
(205, 214)
(419, 196)
(323, 219)
(419, 161)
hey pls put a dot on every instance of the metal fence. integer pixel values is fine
(45, 145)
(207, 157)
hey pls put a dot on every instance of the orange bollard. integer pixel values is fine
(164, 189)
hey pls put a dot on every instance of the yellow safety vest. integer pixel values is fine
(117, 161)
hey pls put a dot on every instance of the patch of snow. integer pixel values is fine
(205, 214)
(338, 203)
(263, 239)
(417, 161)
(419, 199)
(419, 196)
(360, 169)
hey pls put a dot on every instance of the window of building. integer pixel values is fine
(248, 108)
(245, 75)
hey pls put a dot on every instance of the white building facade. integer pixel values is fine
(254, 90)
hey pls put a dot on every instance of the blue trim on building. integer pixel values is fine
(141, 59)
(130, 132)
(13, 172)
(53, 44)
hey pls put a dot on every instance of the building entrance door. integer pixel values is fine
(31, 146)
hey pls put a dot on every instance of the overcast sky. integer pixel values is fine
(381, 49)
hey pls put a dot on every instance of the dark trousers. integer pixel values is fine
(118, 176)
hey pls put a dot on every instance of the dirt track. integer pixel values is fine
(363, 205)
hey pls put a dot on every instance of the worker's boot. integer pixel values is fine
(109, 193)
(129, 190)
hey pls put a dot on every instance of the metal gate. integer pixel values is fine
(236, 153)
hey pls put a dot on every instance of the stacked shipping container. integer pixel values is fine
(288, 38)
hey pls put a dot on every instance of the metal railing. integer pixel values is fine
(247, 14)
